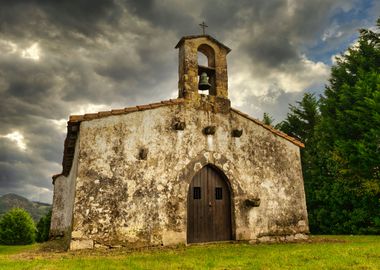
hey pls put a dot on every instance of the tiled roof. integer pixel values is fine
(75, 120)
(270, 128)
(91, 116)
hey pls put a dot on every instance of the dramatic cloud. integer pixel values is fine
(72, 57)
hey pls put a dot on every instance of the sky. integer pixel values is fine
(59, 58)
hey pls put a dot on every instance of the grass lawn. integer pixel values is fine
(322, 252)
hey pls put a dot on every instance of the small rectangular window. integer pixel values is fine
(218, 193)
(197, 193)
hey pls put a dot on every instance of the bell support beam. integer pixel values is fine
(208, 70)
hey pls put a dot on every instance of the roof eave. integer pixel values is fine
(271, 129)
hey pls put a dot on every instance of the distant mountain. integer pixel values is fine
(36, 209)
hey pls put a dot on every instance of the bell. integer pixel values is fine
(203, 82)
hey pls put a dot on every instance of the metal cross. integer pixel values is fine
(203, 25)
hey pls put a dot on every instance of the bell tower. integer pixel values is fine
(207, 82)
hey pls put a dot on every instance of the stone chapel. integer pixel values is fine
(180, 171)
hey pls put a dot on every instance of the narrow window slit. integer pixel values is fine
(218, 193)
(197, 193)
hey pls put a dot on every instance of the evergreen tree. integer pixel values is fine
(267, 119)
(349, 141)
(43, 228)
(300, 122)
(341, 158)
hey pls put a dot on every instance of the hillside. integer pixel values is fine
(36, 209)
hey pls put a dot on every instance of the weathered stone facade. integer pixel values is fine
(131, 168)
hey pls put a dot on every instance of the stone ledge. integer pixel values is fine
(291, 238)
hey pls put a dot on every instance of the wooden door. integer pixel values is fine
(208, 208)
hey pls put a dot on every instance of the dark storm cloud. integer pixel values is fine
(35, 84)
(84, 16)
(168, 16)
(29, 88)
(26, 172)
(44, 146)
(280, 31)
(110, 54)
(272, 51)
(10, 153)
(20, 168)
(78, 63)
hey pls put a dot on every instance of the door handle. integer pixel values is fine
(209, 204)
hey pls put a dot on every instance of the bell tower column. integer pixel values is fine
(188, 72)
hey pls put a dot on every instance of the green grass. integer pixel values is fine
(324, 252)
(7, 250)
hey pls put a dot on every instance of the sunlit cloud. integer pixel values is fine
(40, 194)
(60, 124)
(305, 74)
(8, 46)
(17, 138)
(90, 108)
(33, 52)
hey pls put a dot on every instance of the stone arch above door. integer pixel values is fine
(218, 160)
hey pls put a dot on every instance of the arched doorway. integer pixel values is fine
(209, 207)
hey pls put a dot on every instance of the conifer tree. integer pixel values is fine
(349, 141)
(341, 158)
(267, 119)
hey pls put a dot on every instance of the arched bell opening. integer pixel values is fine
(206, 70)
(209, 202)
(202, 59)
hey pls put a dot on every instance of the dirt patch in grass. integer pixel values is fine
(322, 239)
(53, 249)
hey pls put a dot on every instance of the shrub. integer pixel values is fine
(43, 228)
(17, 228)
